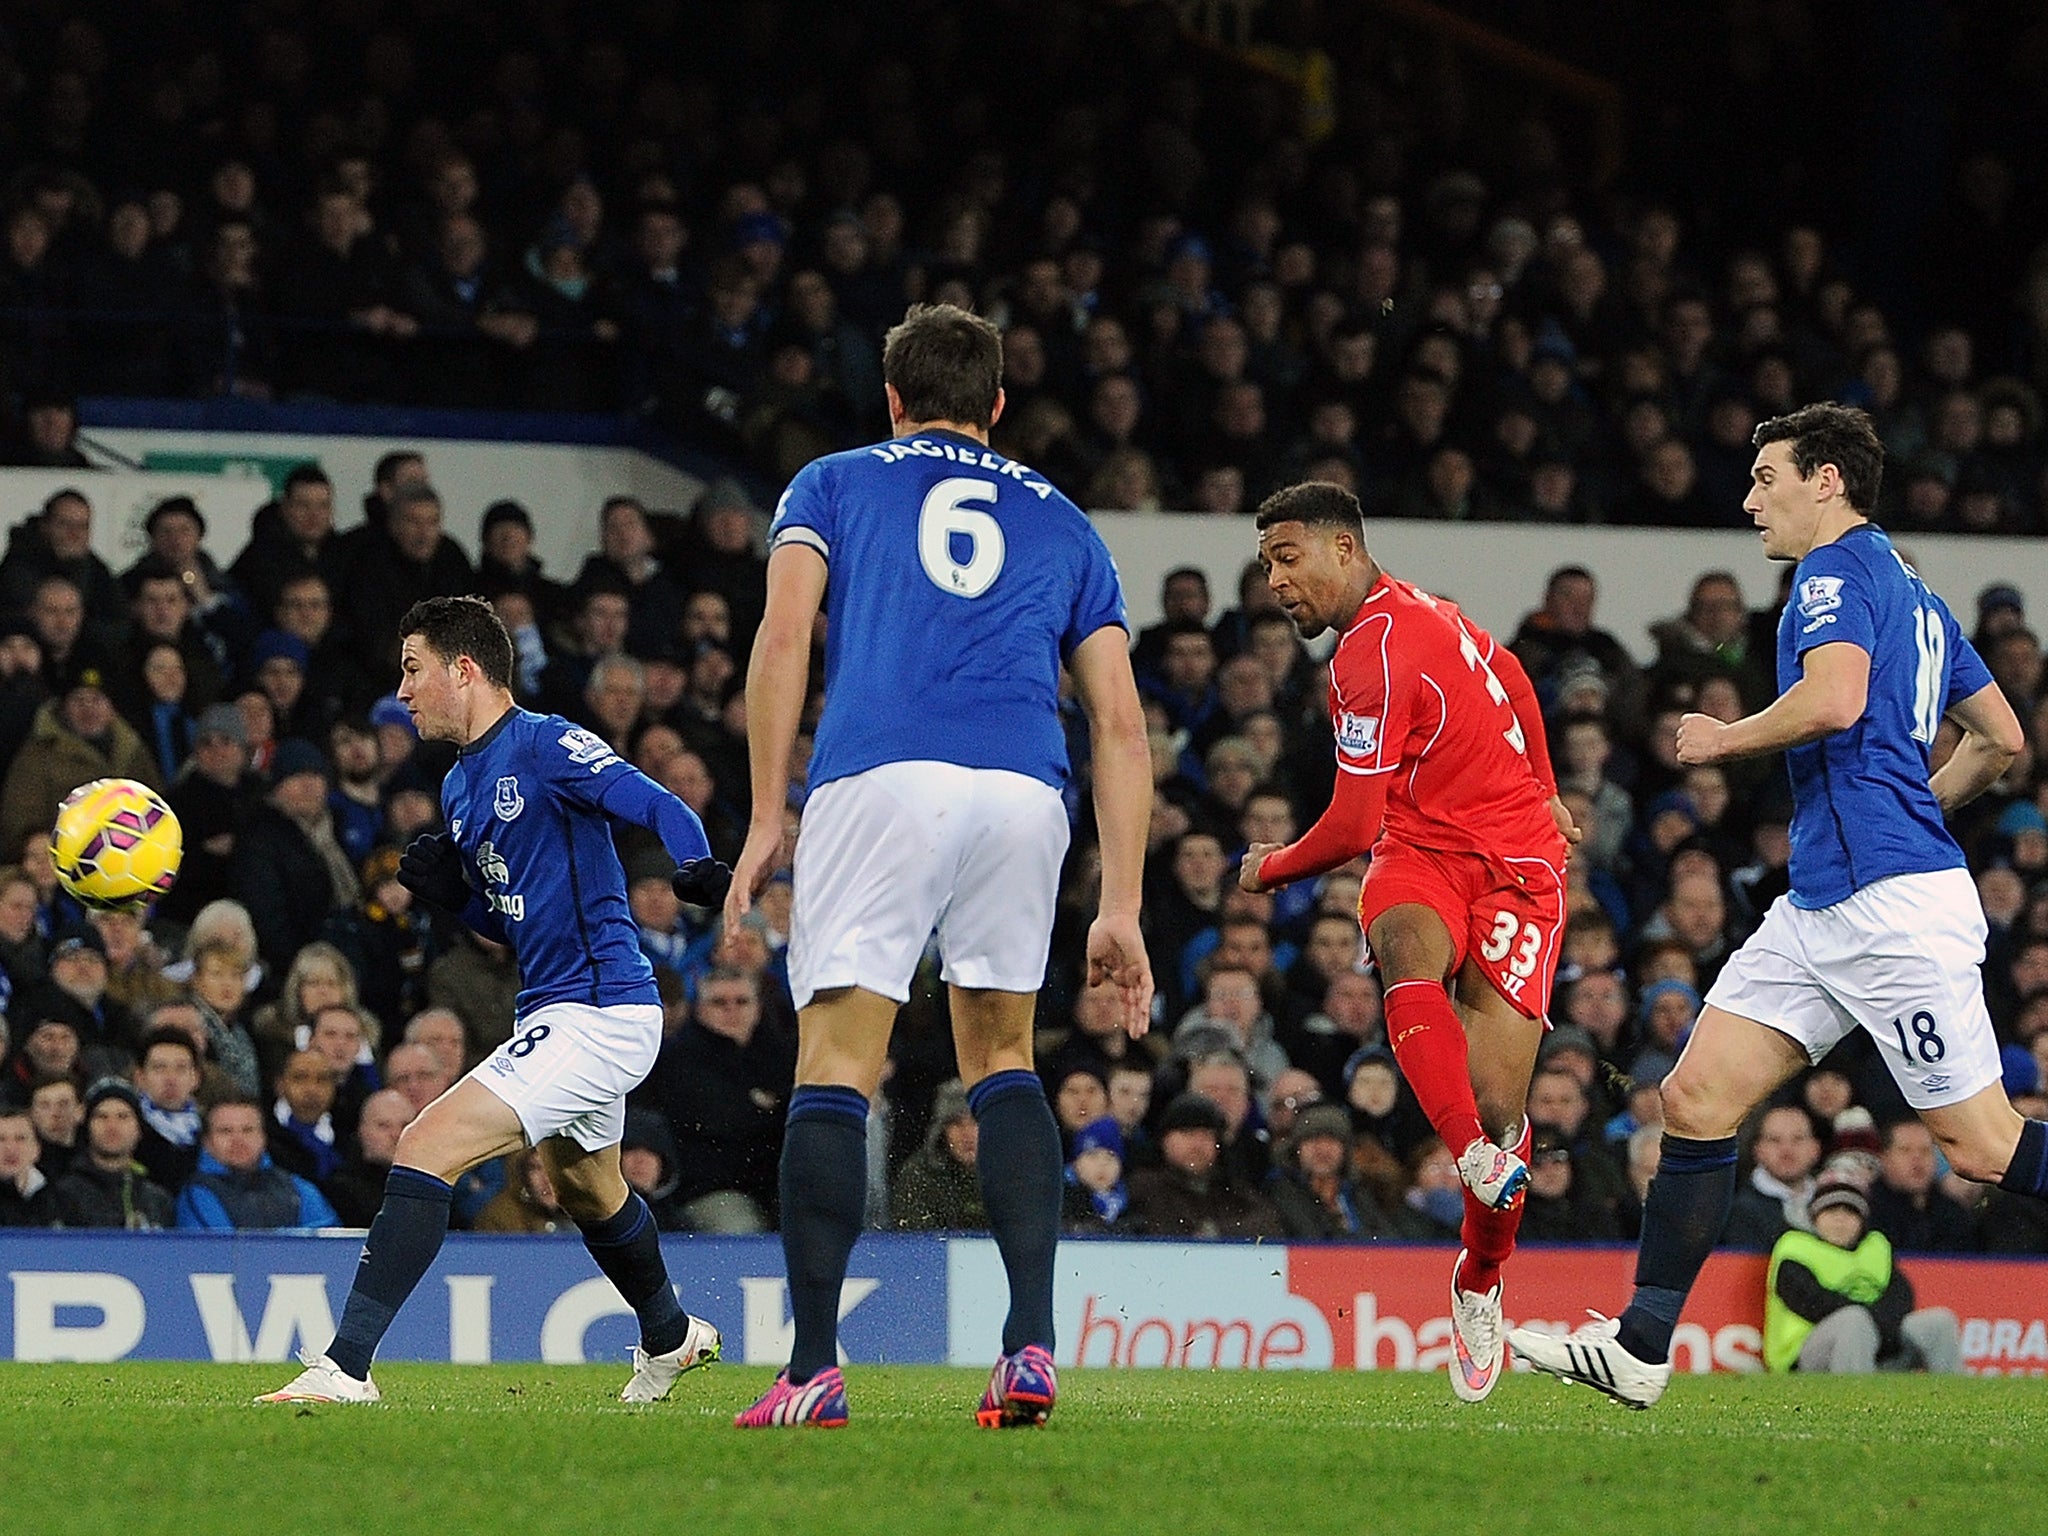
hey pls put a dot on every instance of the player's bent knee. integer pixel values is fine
(1976, 1159)
(1696, 1109)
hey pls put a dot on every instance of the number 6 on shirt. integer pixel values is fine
(945, 513)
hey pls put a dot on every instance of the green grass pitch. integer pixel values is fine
(136, 1449)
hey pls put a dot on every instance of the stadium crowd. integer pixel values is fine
(1205, 292)
(1211, 282)
(253, 1044)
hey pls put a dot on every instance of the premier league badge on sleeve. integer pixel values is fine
(1819, 597)
(1358, 735)
(508, 802)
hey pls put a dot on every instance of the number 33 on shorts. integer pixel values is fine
(1512, 935)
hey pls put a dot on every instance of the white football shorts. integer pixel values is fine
(568, 1067)
(1900, 959)
(886, 857)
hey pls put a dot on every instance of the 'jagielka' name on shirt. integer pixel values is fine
(923, 447)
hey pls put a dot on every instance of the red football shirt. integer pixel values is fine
(1413, 696)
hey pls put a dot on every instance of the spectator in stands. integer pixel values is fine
(288, 867)
(1559, 1209)
(410, 558)
(1559, 1100)
(56, 1109)
(162, 611)
(167, 1078)
(57, 541)
(357, 1187)
(1313, 1189)
(77, 737)
(625, 560)
(417, 1073)
(212, 796)
(77, 993)
(48, 434)
(1097, 1199)
(1232, 1016)
(1774, 1199)
(603, 612)
(723, 1080)
(236, 1186)
(291, 538)
(1191, 1195)
(105, 1185)
(440, 1031)
(1907, 1203)
(220, 992)
(300, 1133)
(387, 939)
(649, 1163)
(1096, 1041)
(1835, 1302)
(25, 1198)
(1664, 1016)
(23, 688)
(1712, 639)
(938, 1189)
(56, 620)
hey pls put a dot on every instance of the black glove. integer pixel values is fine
(432, 870)
(702, 882)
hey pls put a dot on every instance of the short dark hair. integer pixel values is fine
(307, 473)
(412, 495)
(1317, 503)
(388, 464)
(229, 1101)
(463, 626)
(1840, 435)
(165, 1034)
(1566, 573)
(945, 364)
(1185, 573)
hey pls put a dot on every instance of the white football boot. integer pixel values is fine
(653, 1375)
(1593, 1356)
(1476, 1349)
(322, 1381)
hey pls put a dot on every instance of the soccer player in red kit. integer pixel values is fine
(1444, 776)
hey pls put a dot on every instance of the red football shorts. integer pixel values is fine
(1505, 912)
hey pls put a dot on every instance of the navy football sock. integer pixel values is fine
(1021, 1170)
(1682, 1220)
(402, 1243)
(2027, 1173)
(824, 1191)
(627, 1248)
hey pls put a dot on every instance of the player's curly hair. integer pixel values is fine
(1840, 435)
(945, 364)
(462, 626)
(1317, 503)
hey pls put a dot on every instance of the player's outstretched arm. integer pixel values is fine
(778, 677)
(1992, 738)
(1101, 665)
(1830, 696)
(1349, 827)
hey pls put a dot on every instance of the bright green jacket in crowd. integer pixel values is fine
(1861, 1273)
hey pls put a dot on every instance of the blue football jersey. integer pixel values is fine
(1861, 806)
(958, 583)
(528, 803)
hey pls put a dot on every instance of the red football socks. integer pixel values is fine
(1489, 1234)
(1429, 1045)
